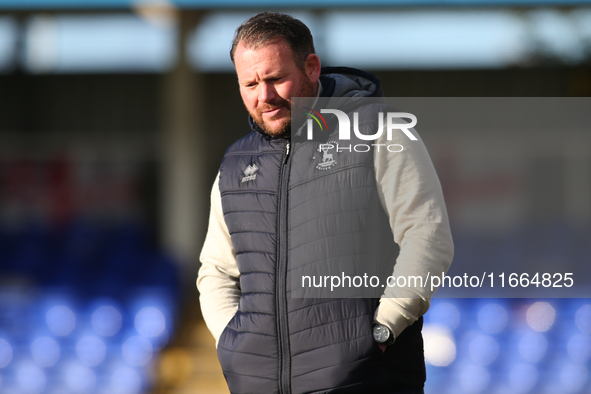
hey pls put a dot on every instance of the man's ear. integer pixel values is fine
(313, 67)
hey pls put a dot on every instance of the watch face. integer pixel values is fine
(381, 333)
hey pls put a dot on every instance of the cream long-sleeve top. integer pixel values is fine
(410, 193)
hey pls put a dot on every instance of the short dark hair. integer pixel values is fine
(266, 26)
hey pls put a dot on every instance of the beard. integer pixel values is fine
(283, 129)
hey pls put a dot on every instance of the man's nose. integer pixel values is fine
(266, 92)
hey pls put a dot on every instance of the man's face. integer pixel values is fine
(269, 77)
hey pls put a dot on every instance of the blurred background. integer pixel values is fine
(115, 114)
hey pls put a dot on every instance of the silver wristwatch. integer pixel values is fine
(382, 334)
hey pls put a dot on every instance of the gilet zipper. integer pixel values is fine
(284, 376)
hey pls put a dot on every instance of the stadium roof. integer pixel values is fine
(19, 5)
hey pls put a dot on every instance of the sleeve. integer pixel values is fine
(410, 192)
(218, 278)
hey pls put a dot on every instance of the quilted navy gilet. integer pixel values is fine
(279, 206)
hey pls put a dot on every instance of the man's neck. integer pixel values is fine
(318, 92)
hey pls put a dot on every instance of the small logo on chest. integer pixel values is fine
(250, 173)
(327, 160)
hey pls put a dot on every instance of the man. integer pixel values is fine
(265, 194)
